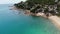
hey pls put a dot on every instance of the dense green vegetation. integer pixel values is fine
(43, 1)
(40, 4)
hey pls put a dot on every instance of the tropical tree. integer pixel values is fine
(43, 1)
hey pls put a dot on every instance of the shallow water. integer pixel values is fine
(16, 22)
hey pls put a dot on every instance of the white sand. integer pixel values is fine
(55, 20)
(41, 14)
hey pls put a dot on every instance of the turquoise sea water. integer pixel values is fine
(15, 22)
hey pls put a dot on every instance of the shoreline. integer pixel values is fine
(55, 20)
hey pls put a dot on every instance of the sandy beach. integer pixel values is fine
(55, 20)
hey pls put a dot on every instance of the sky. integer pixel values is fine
(10, 1)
